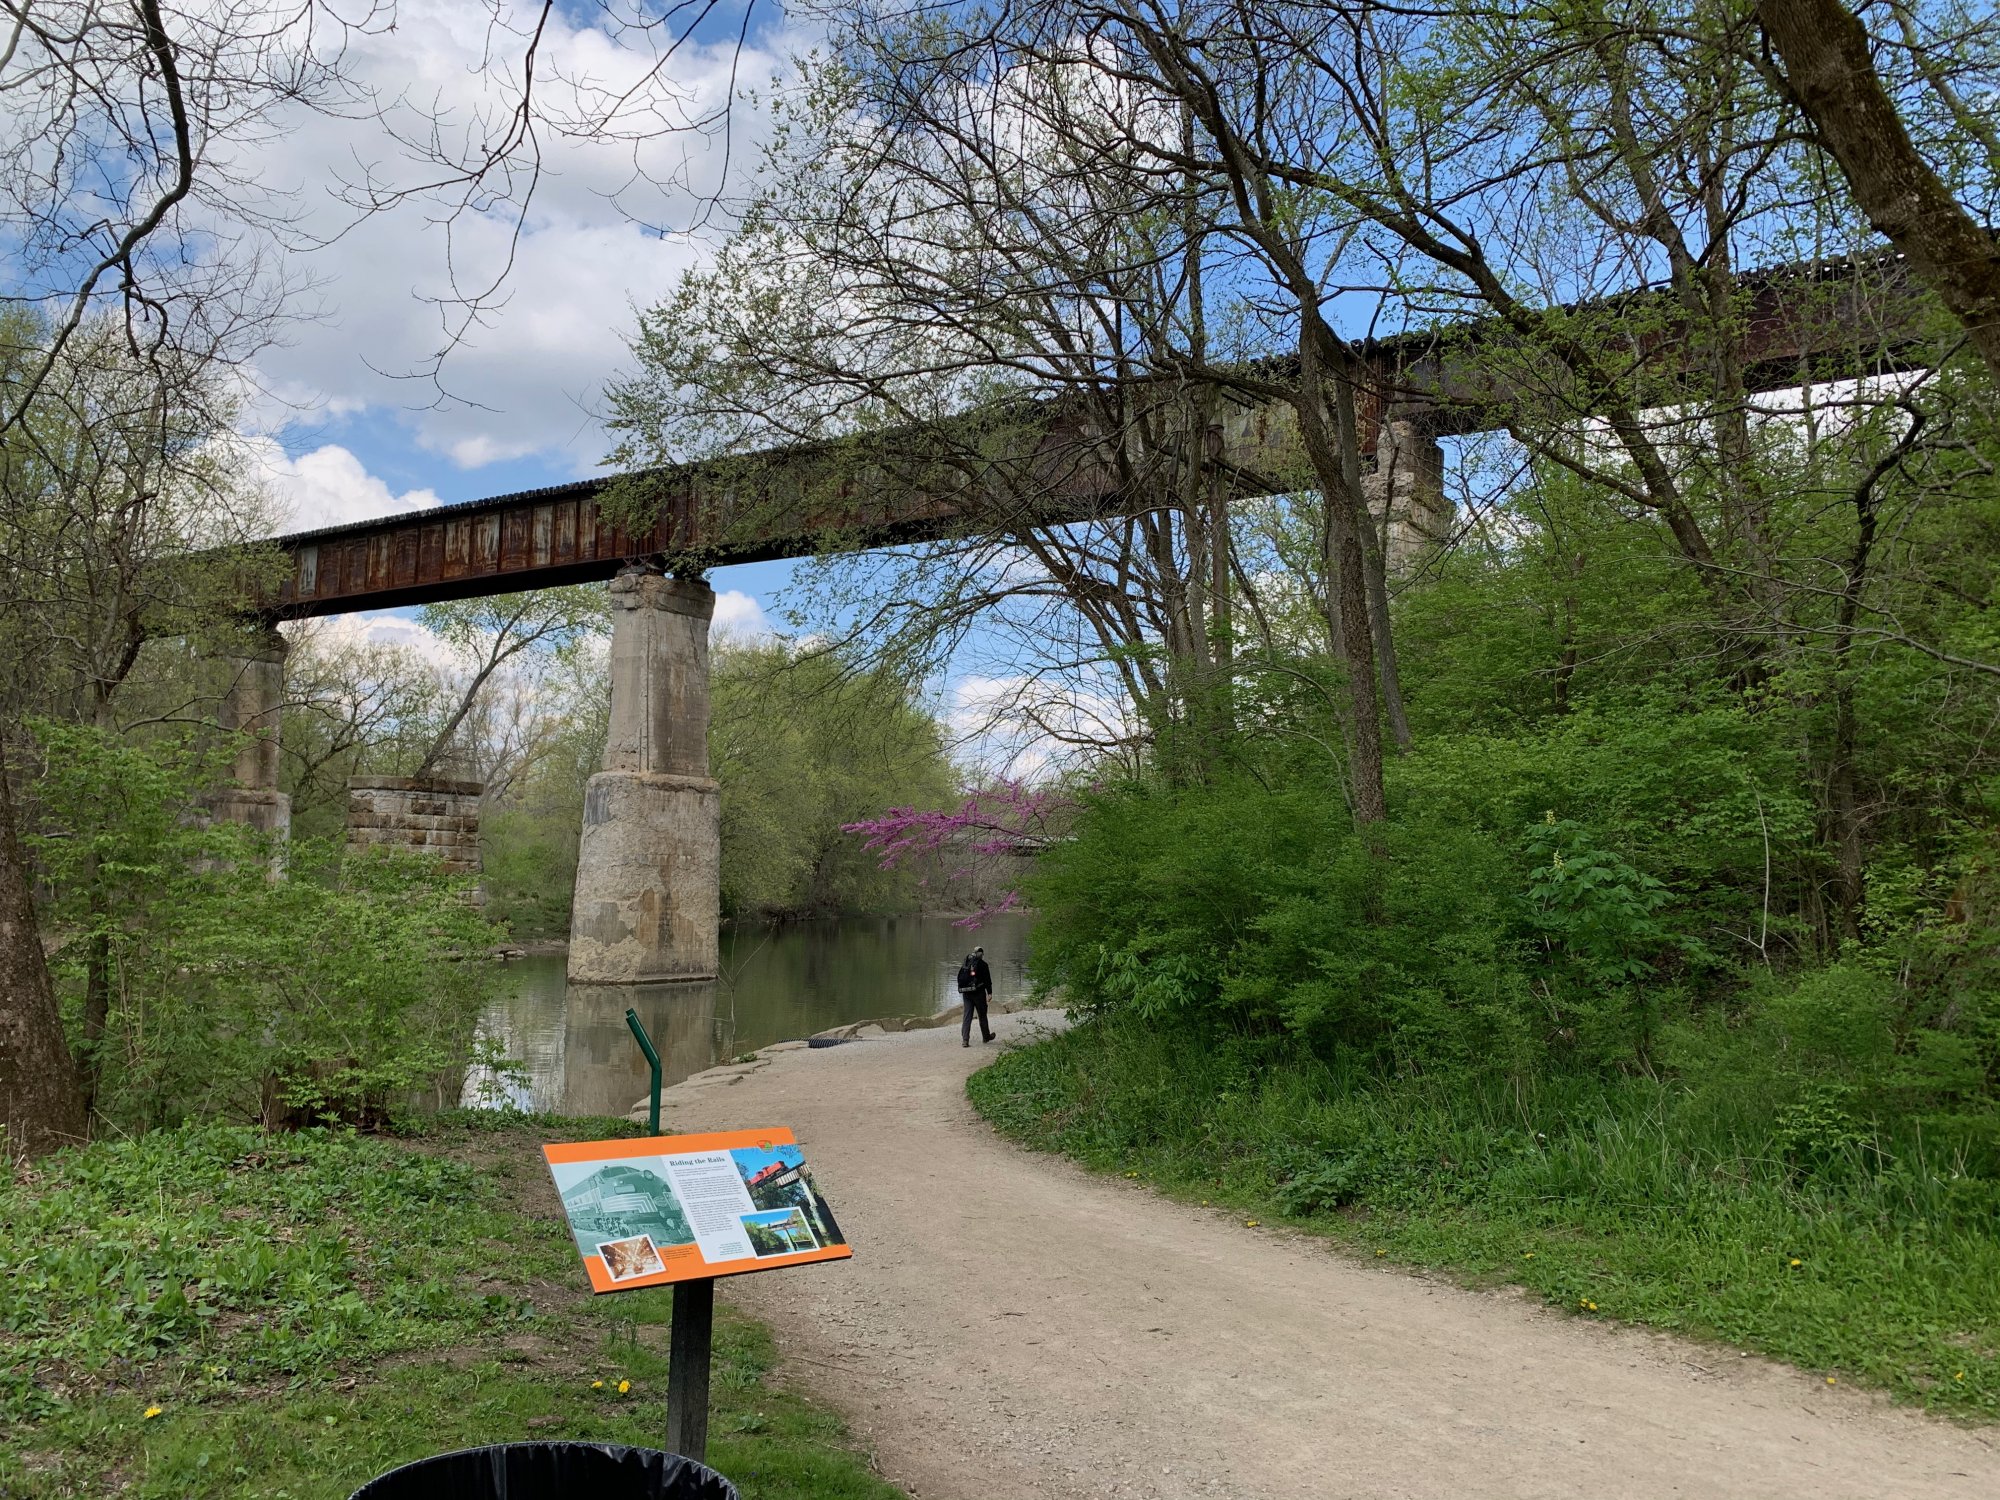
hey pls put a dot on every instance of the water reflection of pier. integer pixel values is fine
(588, 1065)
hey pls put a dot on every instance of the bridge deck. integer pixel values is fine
(1800, 324)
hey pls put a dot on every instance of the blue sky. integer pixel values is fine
(347, 429)
(341, 429)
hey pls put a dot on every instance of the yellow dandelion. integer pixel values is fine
(1380, 1253)
(1959, 1376)
(1527, 1255)
(597, 1385)
(1831, 1381)
(624, 1386)
(1251, 1223)
(152, 1412)
(1797, 1262)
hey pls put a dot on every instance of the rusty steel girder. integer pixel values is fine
(1794, 325)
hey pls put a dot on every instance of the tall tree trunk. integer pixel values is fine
(1346, 572)
(1374, 560)
(41, 1107)
(1220, 545)
(1843, 795)
(1844, 801)
(1566, 660)
(1830, 75)
(1843, 775)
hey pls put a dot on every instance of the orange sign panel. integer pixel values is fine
(678, 1207)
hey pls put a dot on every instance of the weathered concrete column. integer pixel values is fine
(1406, 494)
(649, 869)
(252, 706)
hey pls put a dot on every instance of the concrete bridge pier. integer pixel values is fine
(251, 706)
(649, 869)
(1406, 494)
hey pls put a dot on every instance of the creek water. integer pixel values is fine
(575, 1055)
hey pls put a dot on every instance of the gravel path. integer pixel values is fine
(1011, 1326)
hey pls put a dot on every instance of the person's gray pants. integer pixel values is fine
(975, 1001)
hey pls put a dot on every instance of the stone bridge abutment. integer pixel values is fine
(648, 880)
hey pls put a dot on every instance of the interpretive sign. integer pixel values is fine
(670, 1208)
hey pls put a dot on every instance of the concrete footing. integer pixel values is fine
(648, 879)
(649, 867)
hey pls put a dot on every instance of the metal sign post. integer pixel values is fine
(652, 1056)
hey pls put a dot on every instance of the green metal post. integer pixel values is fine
(653, 1057)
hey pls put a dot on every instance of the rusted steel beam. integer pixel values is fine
(1797, 325)
(539, 539)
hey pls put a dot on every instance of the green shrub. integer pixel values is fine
(1234, 908)
(1478, 936)
(234, 980)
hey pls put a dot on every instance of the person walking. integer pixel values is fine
(975, 988)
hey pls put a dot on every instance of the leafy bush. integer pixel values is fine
(528, 866)
(1818, 1130)
(1235, 908)
(1480, 937)
(205, 985)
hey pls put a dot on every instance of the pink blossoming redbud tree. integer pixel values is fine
(1002, 818)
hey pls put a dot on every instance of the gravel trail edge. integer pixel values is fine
(1013, 1326)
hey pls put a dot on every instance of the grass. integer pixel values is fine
(1633, 1201)
(218, 1312)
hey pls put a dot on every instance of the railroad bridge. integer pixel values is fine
(647, 885)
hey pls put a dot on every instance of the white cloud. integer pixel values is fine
(377, 627)
(738, 617)
(530, 371)
(326, 487)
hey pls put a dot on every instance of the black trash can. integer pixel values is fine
(551, 1471)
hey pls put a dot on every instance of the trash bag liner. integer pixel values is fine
(551, 1471)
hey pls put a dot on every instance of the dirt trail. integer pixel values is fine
(1011, 1326)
